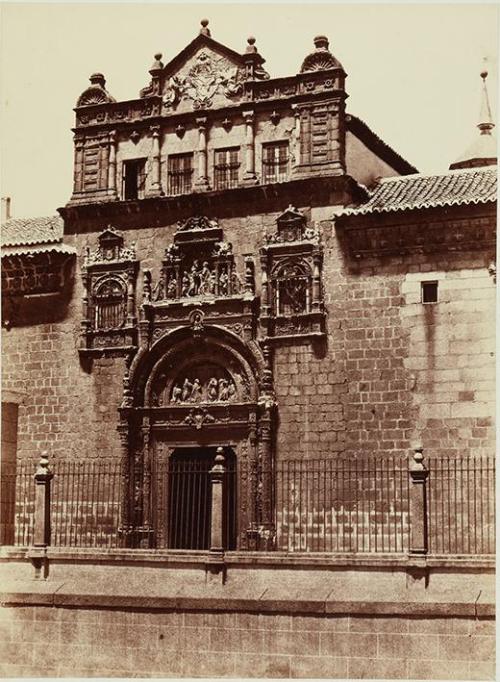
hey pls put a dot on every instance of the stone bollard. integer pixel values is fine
(43, 477)
(217, 476)
(418, 503)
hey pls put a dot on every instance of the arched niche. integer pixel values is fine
(244, 362)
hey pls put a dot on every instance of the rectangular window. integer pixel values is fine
(226, 168)
(134, 179)
(180, 173)
(429, 292)
(275, 162)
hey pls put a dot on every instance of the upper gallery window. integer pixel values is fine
(180, 173)
(275, 162)
(134, 179)
(226, 168)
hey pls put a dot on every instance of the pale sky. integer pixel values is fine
(413, 72)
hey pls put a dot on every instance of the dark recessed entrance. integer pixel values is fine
(190, 498)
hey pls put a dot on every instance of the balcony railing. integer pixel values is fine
(337, 505)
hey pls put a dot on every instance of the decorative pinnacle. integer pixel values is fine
(204, 30)
(251, 49)
(485, 124)
(97, 79)
(321, 43)
(157, 64)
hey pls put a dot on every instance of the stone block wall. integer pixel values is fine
(393, 370)
(39, 641)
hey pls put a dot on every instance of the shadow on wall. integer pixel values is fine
(29, 311)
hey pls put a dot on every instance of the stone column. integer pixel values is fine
(249, 178)
(112, 165)
(43, 477)
(202, 184)
(418, 503)
(155, 187)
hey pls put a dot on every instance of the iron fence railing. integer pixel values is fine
(337, 505)
(461, 505)
(342, 505)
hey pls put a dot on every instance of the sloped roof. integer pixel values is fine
(28, 231)
(364, 133)
(406, 192)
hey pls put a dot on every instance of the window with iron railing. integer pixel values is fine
(226, 168)
(180, 173)
(275, 158)
(109, 302)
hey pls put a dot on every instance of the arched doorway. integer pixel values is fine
(189, 394)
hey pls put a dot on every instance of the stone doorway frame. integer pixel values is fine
(245, 426)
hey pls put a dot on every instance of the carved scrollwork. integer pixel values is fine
(198, 417)
(197, 223)
(203, 80)
(111, 248)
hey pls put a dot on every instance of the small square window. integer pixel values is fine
(429, 292)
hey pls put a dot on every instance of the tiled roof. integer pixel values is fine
(23, 250)
(469, 186)
(28, 231)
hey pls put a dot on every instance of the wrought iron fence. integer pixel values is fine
(342, 505)
(461, 505)
(337, 505)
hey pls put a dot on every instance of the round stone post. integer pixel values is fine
(43, 477)
(217, 484)
(418, 503)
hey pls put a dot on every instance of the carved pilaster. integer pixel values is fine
(316, 282)
(202, 183)
(78, 168)
(249, 178)
(112, 165)
(103, 164)
(264, 294)
(125, 525)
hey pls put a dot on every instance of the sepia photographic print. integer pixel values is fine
(248, 340)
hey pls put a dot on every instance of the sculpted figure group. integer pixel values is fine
(214, 390)
(202, 280)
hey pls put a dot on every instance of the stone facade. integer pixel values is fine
(209, 222)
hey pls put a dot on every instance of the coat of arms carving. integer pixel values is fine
(203, 80)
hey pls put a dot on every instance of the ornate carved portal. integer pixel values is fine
(200, 380)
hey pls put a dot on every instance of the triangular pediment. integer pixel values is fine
(200, 43)
(206, 74)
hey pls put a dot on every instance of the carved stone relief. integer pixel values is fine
(206, 77)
